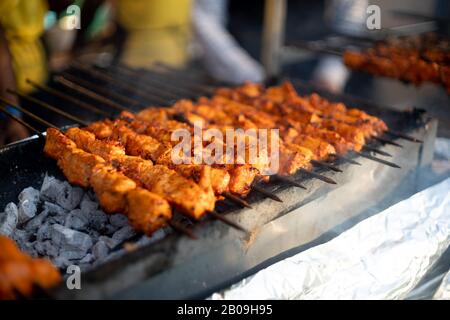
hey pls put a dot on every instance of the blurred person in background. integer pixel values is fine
(154, 31)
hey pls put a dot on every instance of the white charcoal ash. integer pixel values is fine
(66, 225)
(61, 193)
(77, 220)
(124, 233)
(100, 250)
(28, 201)
(9, 219)
(36, 222)
(71, 240)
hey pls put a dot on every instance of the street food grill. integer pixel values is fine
(128, 161)
(125, 159)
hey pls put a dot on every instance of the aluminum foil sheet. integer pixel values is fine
(382, 257)
(443, 292)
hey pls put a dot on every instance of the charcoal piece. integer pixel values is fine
(27, 210)
(43, 232)
(76, 220)
(87, 205)
(54, 209)
(46, 248)
(110, 242)
(100, 250)
(28, 247)
(28, 202)
(70, 240)
(69, 197)
(98, 220)
(21, 237)
(89, 258)
(118, 220)
(109, 229)
(50, 189)
(29, 193)
(36, 222)
(94, 234)
(9, 219)
(72, 254)
(124, 233)
(61, 262)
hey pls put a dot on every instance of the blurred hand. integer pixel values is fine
(11, 131)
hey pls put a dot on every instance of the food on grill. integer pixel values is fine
(128, 161)
(20, 273)
(114, 190)
(415, 61)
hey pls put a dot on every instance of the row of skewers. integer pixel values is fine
(415, 60)
(128, 162)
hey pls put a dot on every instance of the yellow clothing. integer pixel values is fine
(157, 30)
(23, 23)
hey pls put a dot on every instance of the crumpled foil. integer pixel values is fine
(382, 257)
(443, 292)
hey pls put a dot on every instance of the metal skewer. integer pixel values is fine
(190, 84)
(289, 180)
(28, 113)
(71, 99)
(153, 97)
(403, 136)
(236, 199)
(338, 156)
(156, 81)
(266, 193)
(182, 229)
(222, 218)
(25, 124)
(101, 90)
(49, 107)
(383, 153)
(89, 93)
(388, 141)
(368, 156)
(313, 174)
(326, 165)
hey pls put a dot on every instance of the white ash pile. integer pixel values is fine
(66, 225)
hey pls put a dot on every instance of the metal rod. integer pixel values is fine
(368, 156)
(192, 84)
(156, 81)
(101, 90)
(326, 165)
(189, 74)
(317, 176)
(236, 199)
(182, 229)
(128, 87)
(266, 193)
(67, 97)
(89, 93)
(388, 141)
(30, 127)
(222, 218)
(383, 153)
(403, 136)
(289, 181)
(340, 157)
(49, 107)
(28, 113)
(157, 89)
